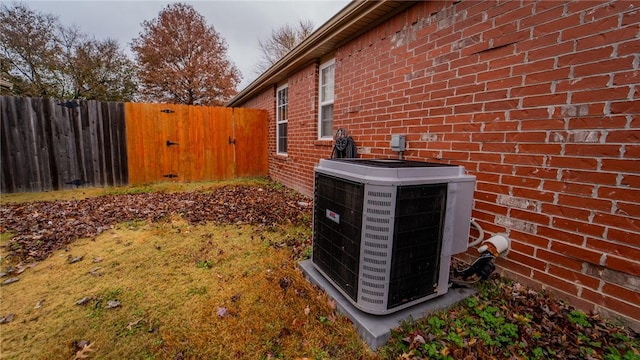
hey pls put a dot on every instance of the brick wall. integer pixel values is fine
(538, 99)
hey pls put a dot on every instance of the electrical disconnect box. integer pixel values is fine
(398, 142)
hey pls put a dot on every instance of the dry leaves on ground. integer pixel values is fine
(39, 228)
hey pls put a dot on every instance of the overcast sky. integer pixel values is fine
(240, 22)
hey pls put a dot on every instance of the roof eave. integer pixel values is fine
(351, 21)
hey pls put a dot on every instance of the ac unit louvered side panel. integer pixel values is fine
(377, 237)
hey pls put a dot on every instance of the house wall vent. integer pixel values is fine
(385, 230)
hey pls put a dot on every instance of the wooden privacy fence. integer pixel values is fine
(194, 143)
(49, 144)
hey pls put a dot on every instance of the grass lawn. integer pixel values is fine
(215, 276)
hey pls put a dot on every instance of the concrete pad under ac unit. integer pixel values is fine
(375, 330)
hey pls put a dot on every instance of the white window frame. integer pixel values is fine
(280, 121)
(322, 102)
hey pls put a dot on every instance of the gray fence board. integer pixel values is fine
(47, 146)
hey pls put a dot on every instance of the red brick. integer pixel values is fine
(624, 265)
(590, 149)
(491, 208)
(531, 239)
(621, 222)
(559, 259)
(485, 157)
(630, 180)
(558, 22)
(578, 227)
(622, 293)
(584, 202)
(533, 194)
(574, 276)
(544, 13)
(612, 248)
(617, 193)
(555, 282)
(493, 188)
(501, 105)
(597, 26)
(632, 151)
(483, 96)
(576, 252)
(542, 124)
(604, 67)
(529, 217)
(499, 79)
(590, 177)
(513, 266)
(506, 62)
(630, 166)
(629, 47)
(499, 147)
(526, 260)
(526, 136)
(568, 188)
(566, 212)
(599, 122)
(555, 234)
(623, 136)
(538, 42)
(628, 209)
(520, 181)
(522, 159)
(501, 126)
(606, 38)
(495, 168)
(488, 137)
(595, 95)
(592, 82)
(569, 162)
(465, 146)
(535, 171)
(611, 303)
(625, 107)
(545, 100)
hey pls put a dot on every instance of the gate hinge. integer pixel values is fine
(169, 143)
(232, 141)
(170, 175)
(167, 111)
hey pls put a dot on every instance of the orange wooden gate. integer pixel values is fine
(194, 143)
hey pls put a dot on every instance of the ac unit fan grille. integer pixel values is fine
(336, 241)
(417, 242)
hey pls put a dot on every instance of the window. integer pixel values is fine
(325, 113)
(282, 119)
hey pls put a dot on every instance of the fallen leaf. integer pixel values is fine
(111, 304)
(95, 272)
(132, 324)
(39, 304)
(222, 312)
(73, 260)
(10, 280)
(7, 319)
(83, 353)
(307, 310)
(332, 304)
(83, 301)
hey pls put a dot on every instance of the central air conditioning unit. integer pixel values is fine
(384, 231)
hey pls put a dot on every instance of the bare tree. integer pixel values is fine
(41, 57)
(281, 41)
(183, 60)
(100, 70)
(30, 50)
